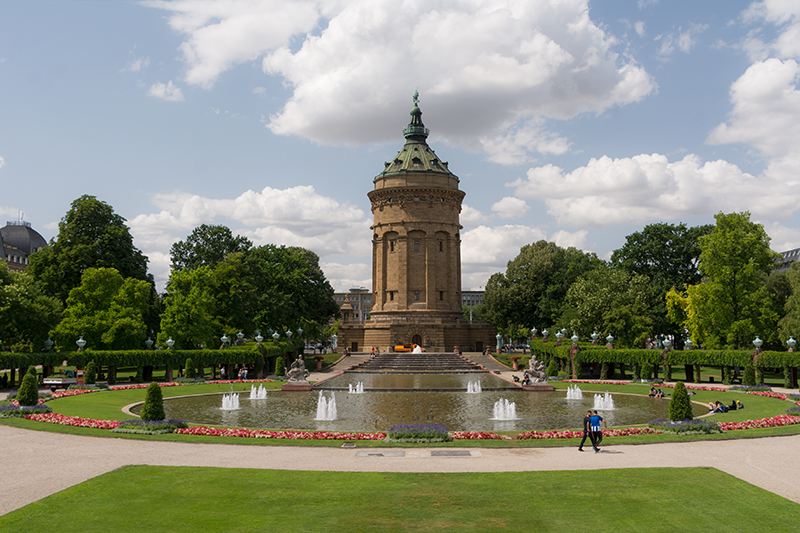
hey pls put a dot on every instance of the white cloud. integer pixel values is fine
(295, 216)
(646, 188)
(345, 277)
(782, 13)
(260, 90)
(783, 238)
(766, 109)
(488, 68)
(646, 3)
(471, 216)
(137, 64)
(510, 207)
(220, 35)
(685, 40)
(2, 162)
(640, 28)
(565, 239)
(168, 92)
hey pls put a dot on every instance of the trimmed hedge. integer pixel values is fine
(246, 354)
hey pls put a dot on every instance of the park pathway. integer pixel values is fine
(39, 463)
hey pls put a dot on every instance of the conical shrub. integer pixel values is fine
(90, 375)
(680, 408)
(153, 408)
(28, 393)
(189, 371)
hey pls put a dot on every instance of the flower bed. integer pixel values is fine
(769, 394)
(775, 421)
(265, 434)
(596, 381)
(570, 434)
(72, 392)
(695, 387)
(74, 421)
(475, 435)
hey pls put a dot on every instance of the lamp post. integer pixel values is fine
(610, 341)
(276, 336)
(575, 338)
(559, 336)
(758, 343)
(224, 340)
(259, 338)
(170, 343)
(240, 336)
(595, 336)
(533, 332)
(545, 333)
(792, 343)
(148, 343)
(81, 343)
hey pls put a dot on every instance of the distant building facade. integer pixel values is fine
(18, 241)
(786, 260)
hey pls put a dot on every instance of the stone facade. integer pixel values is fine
(416, 256)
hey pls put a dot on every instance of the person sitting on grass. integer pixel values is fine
(719, 407)
(652, 392)
(659, 393)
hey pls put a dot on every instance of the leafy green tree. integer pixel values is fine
(532, 289)
(207, 246)
(26, 314)
(153, 408)
(789, 325)
(90, 235)
(732, 305)
(680, 407)
(613, 301)
(107, 310)
(668, 254)
(28, 393)
(189, 310)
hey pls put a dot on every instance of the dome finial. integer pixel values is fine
(416, 129)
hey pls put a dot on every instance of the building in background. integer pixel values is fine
(18, 240)
(786, 260)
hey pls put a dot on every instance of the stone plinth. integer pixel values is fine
(293, 386)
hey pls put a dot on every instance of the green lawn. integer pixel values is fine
(153, 499)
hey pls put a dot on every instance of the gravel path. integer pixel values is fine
(37, 464)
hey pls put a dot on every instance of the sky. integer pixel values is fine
(573, 121)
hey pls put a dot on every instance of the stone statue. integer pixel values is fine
(298, 371)
(536, 370)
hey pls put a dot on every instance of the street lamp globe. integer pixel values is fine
(758, 343)
(240, 336)
(259, 338)
(224, 340)
(609, 339)
(148, 343)
(575, 338)
(276, 336)
(595, 336)
(81, 343)
(792, 343)
(170, 343)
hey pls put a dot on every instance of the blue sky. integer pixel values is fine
(577, 122)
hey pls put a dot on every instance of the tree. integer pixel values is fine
(207, 246)
(613, 301)
(789, 325)
(532, 290)
(26, 314)
(90, 375)
(107, 310)
(732, 305)
(153, 408)
(680, 407)
(188, 316)
(668, 255)
(90, 235)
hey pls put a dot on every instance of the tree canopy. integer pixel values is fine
(207, 246)
(732, 305)
(26, 313)
(90, 235)
(532, 290)
(107, 310)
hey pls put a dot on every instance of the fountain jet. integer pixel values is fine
(326, 408)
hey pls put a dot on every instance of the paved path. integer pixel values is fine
(37, 464)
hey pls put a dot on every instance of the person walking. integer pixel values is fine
(597, 433)
(587, 431)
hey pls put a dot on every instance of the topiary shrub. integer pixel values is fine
(189, 369)
(28, 393)
(552, 368)
(139, 377)
(32, 371)
(153, 408)
(749, 376)
(112, 375)
(680, 408)
(90, 375)
(647, 371)
(279, 368)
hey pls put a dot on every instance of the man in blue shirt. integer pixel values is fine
(597, 433)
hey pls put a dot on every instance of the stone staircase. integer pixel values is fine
(418, 363)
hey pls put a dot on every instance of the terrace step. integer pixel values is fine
(424, 362)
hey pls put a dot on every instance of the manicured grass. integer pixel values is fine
(153, 499)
